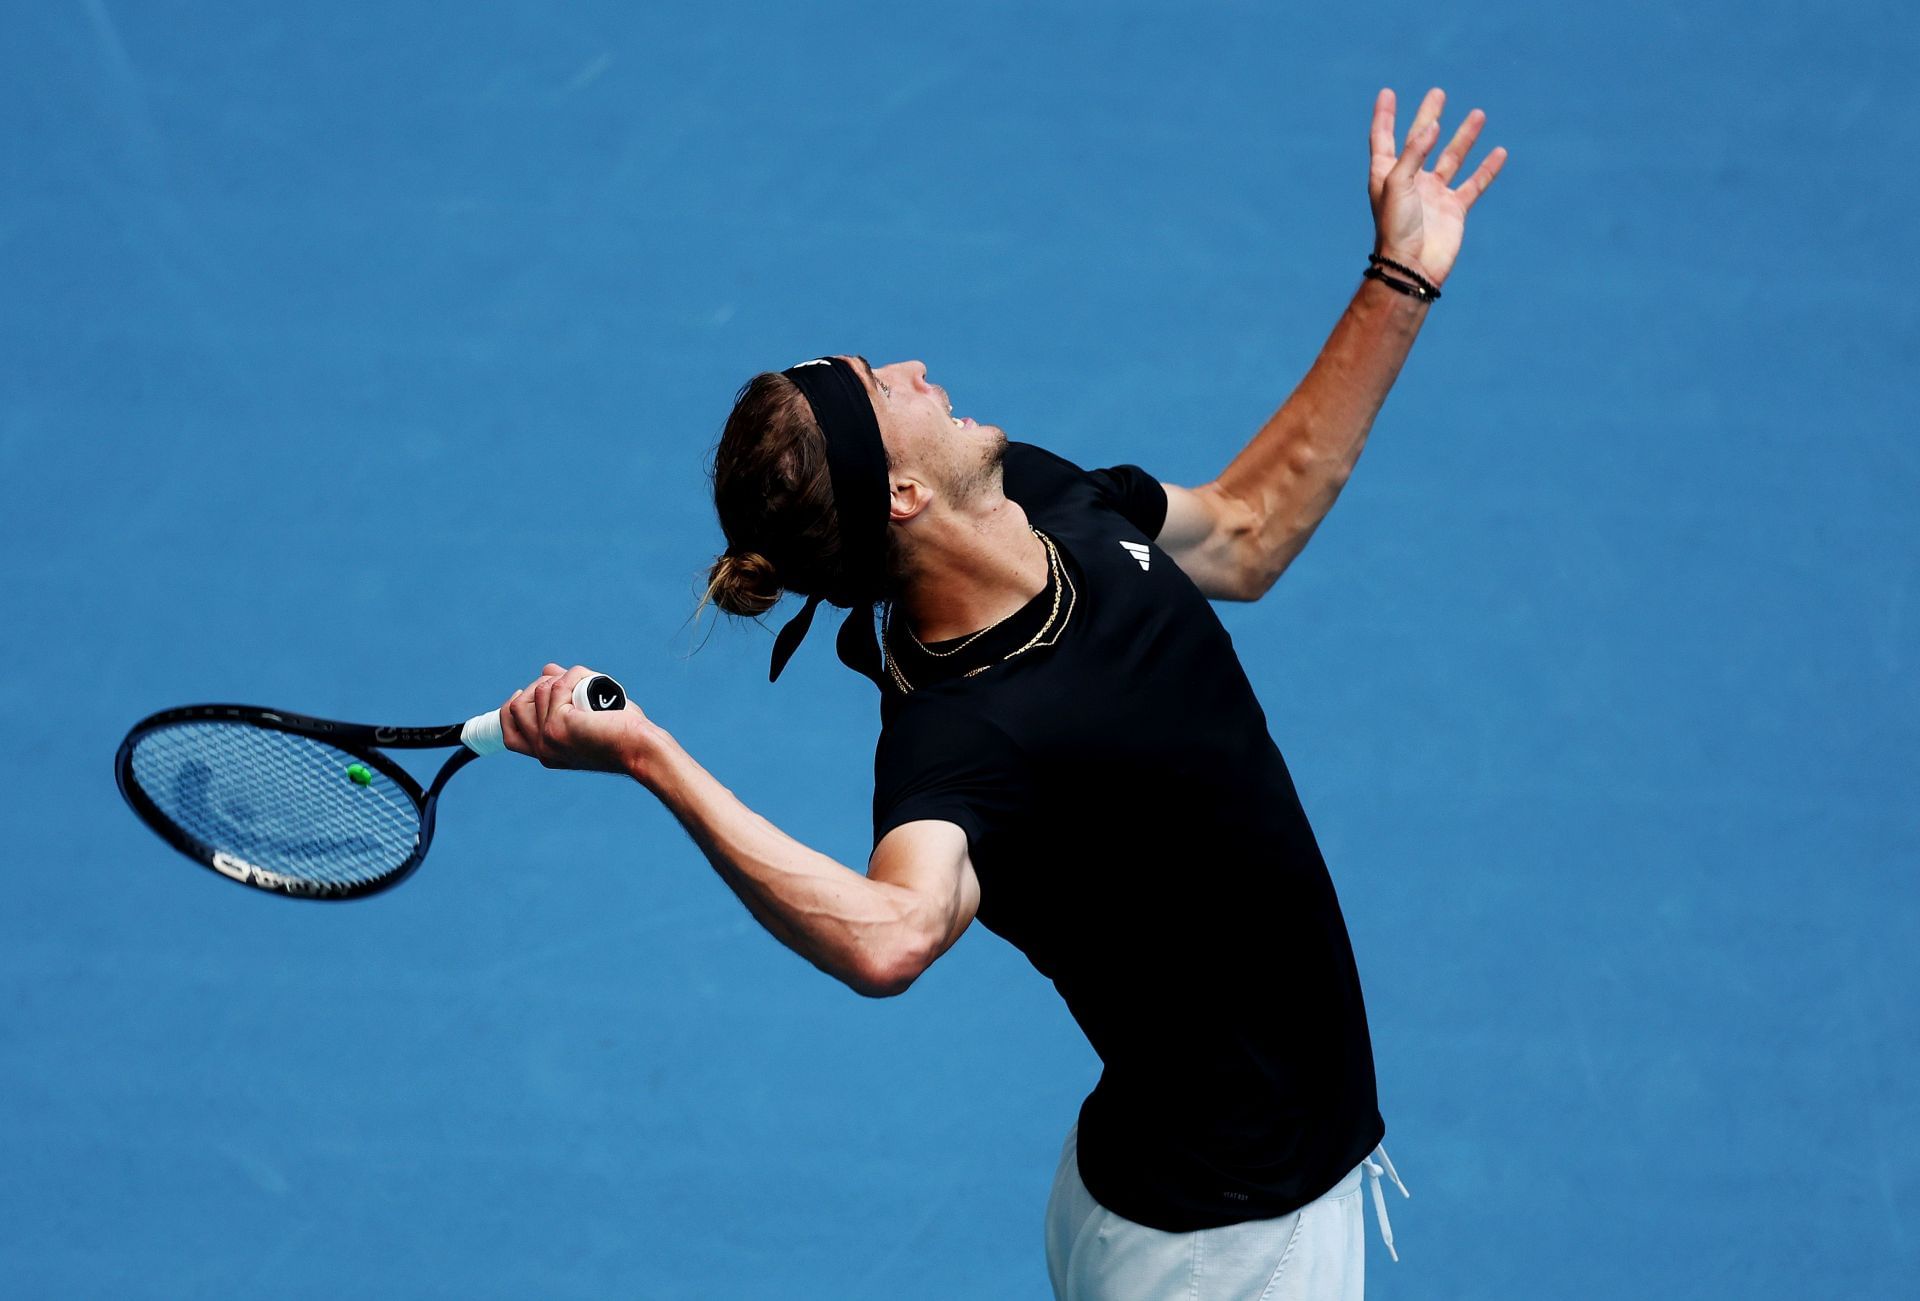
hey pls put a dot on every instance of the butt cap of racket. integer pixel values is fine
(600, 693)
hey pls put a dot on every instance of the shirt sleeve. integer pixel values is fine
(1135, 494)
(947, 765)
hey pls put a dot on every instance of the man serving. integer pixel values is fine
(1071, 752)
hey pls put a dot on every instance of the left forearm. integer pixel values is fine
(1235, 535)
(1287, 478)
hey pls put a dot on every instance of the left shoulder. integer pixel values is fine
(1041, 480)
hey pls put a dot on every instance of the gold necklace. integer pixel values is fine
(975, 636)
(1058, 578)
(1049, 632)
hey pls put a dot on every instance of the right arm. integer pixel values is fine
(876, 933)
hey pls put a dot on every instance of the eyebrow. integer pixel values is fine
(868, 366)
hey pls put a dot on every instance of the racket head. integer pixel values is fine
(290, 805)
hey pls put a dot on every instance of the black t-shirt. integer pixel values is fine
(1136, 834)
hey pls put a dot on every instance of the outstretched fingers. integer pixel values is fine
(1420, 136)
(1419, 144)
(1380, 139)
(1428, 113)
(1476, 185)
(1445, 166)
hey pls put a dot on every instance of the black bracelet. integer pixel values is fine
(1433, 290)
(1406, 287)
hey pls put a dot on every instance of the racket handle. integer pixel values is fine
(482, 733)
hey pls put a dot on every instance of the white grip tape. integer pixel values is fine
(482, 733)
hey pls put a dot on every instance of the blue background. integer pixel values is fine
(358, 359)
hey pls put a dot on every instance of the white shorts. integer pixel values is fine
(1317, 1253)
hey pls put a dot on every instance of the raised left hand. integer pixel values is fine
(1420, 216)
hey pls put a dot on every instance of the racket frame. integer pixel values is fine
(364, 742)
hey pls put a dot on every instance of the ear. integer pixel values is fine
(907, 499)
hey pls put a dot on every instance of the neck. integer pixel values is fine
(976, 571)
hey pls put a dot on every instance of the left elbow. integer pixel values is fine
(1264, 551)
(1254, 566)
(1264, 564)
(1253, 582)
(1226, 558)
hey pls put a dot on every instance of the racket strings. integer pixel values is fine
(277, 801)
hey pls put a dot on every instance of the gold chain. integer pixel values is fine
(1049, 632)
(972, 637)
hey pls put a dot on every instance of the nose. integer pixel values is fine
(911, 372)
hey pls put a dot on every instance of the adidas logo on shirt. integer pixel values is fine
(1139, 552)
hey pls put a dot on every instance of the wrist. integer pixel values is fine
(1407, 257)
(648, 755)
(1402, 278)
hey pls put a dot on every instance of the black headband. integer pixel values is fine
(857, 466)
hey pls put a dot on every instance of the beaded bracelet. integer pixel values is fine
(1430, 290)
(1406, 287)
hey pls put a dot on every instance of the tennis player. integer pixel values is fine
(1071, 752)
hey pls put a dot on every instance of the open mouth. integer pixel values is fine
(959, 422)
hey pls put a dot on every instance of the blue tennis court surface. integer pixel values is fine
(359, 359)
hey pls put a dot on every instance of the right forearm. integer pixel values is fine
(857, 930)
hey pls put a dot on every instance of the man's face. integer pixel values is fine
(957, 456)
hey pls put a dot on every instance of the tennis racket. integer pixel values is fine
(300, 806)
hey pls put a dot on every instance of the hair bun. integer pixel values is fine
(744, 584)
